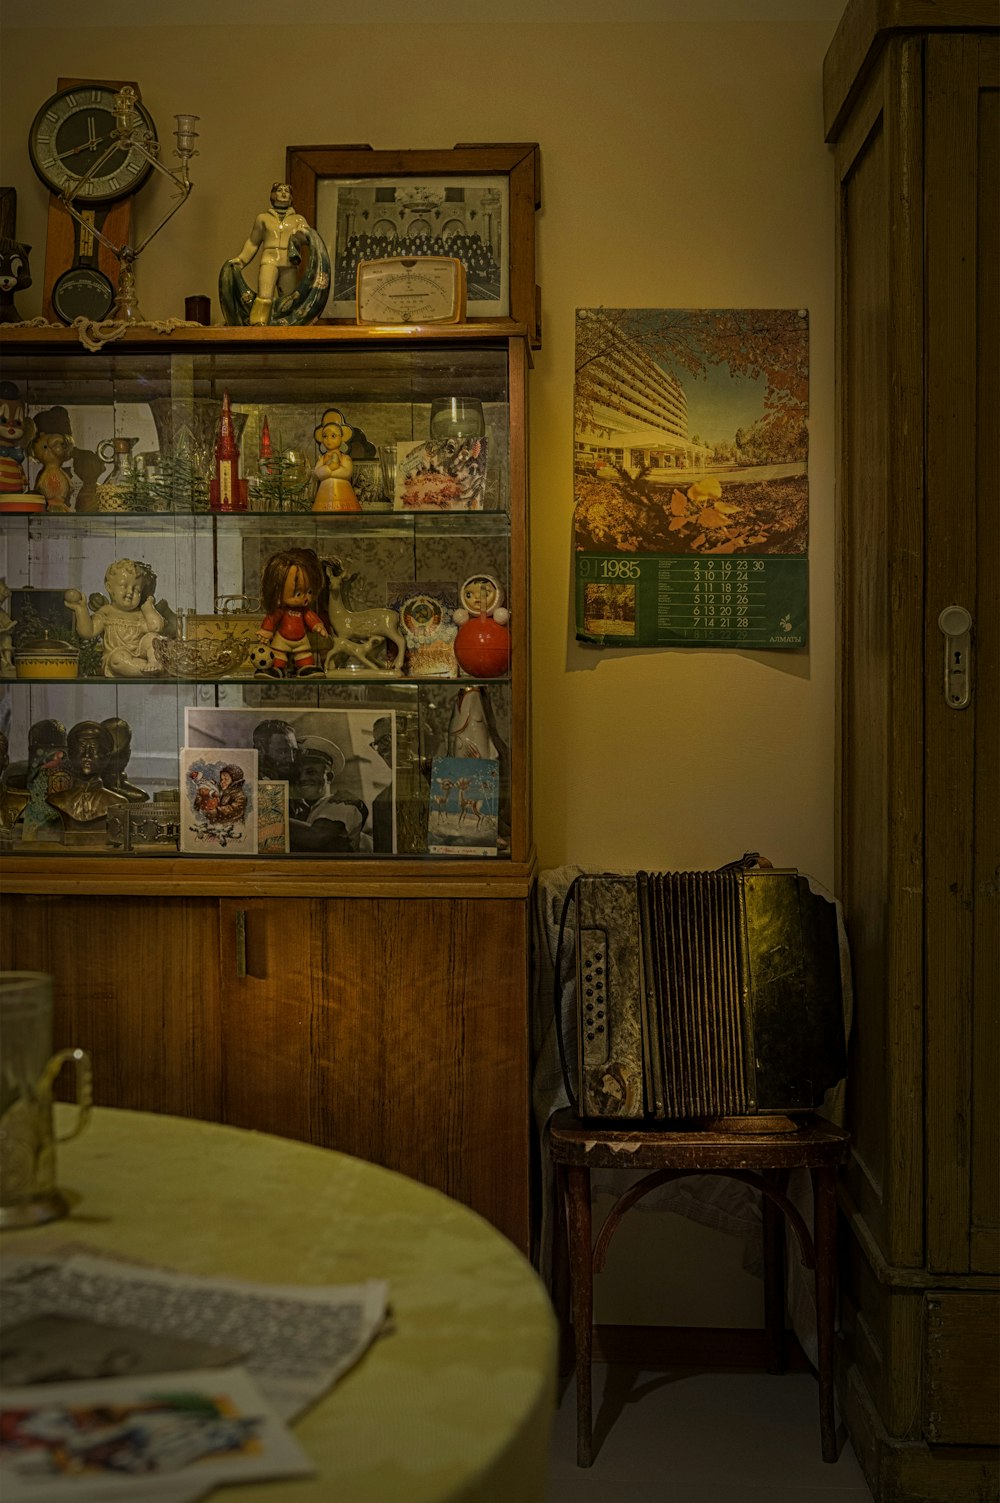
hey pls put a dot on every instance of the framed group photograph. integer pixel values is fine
(475, 203)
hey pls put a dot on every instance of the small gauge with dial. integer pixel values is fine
(411, 290)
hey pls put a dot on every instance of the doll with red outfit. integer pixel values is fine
(290, 585)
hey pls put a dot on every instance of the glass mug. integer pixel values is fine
(457, 417)
(28, 1071)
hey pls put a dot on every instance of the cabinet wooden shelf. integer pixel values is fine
(372, 999)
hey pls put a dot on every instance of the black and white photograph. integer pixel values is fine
(339, 765)
(369, 219)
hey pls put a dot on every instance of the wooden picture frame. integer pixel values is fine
(335, 188)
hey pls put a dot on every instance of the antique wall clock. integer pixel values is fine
(68, 134)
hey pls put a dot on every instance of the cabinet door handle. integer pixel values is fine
(956, 627)
(241, 944)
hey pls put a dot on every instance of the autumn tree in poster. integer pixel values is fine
(691, 443)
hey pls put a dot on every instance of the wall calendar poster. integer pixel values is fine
(691, 489)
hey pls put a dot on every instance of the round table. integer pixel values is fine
(455, 1404)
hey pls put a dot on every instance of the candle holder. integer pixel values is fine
(129, 134)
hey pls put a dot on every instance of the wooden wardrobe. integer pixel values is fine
(913, 113)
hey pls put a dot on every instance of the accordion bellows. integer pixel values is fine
(705, 994)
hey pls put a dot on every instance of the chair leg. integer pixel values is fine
(582, 1293)
(774, 1276)
(824, 1181)
(560, 1272)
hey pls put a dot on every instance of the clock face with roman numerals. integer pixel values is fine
(70, 133)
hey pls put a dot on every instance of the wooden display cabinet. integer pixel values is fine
(374, 1002)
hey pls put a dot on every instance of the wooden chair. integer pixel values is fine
(741, 1150)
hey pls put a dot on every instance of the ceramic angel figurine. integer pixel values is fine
(128, 623)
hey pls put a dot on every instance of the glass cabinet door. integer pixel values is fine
(265, 608)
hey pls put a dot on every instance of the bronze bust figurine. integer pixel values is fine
(79, 793)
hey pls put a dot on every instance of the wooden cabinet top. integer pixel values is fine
(864, 29)
(311, 336)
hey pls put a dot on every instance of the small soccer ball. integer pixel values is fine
(260, 657)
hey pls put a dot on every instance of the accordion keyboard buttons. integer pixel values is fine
(593, 984)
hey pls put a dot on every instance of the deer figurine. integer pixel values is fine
(358, 634)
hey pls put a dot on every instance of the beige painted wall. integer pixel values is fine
(682, 165)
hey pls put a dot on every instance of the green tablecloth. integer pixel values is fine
(455, 1404)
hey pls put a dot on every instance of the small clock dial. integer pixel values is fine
(70, 133)
(82, 291)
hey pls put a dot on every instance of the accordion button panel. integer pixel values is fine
(593, 996)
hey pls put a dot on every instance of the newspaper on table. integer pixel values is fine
(294, 1341)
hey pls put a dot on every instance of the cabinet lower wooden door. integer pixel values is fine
(135, 983)
(393, 1029)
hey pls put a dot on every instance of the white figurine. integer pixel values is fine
(282, 296)
(359, 635)
(271, 235)
(129, 623)
(469, 732)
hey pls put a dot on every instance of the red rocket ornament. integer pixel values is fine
(227, 492)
